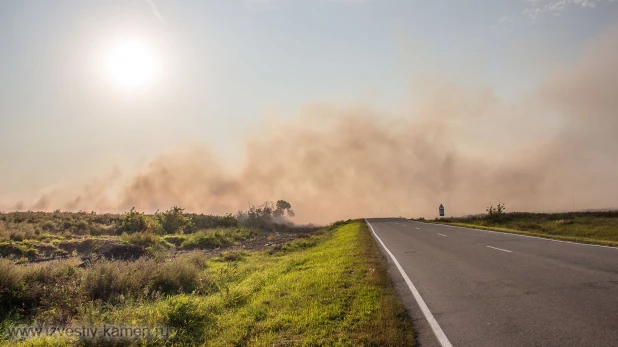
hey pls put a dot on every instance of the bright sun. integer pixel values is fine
(131, 64)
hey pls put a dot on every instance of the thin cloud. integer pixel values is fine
(537, 8)
(155, 11)
(274, 3)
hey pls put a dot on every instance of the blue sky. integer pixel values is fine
(228, 65)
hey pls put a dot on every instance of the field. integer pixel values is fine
(215, 285)
(587, 227)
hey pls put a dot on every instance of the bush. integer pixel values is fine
(206, 240)
(11, 287)
(133, 222)
(173, 221)
(209, 239)
(105, 280)
(142, 238)
(50, 289)
(267, 216)
(49, 226)
(178, 275)
(201, 221)
(53, 291)
(112, 281)
(496, 213)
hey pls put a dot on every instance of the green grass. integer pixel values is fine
(586, 227)
(330, 289)
(219, 237)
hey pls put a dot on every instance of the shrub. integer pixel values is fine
(50, 289)
(49, 226)
(16, 250)
(202, 221)
(110, 281)
(142, 238)
(206, 240)
(173, 221)
(496, 213)
(498, 210)
(98, 229)
(177, 276)
(133, 222)
(267, 215)
(11, 287)
(53, 291)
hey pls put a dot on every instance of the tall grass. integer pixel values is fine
(593, 227)
(214, 238)
(54, 291)
(328, 289)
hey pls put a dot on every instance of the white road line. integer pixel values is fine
(421, 303)
(500, 249)
(532, 237)
(418, 228)
(441, 234)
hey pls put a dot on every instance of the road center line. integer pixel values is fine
(500, 249)
(419, 300)
(441, 234)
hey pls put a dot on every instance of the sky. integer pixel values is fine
(227, 72)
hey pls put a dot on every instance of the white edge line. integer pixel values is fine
(441, 234)
(419, 300)
(500, 249)
(514, 234)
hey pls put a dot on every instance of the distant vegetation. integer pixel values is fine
(35, 236)
(599, 227)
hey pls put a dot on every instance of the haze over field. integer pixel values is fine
(374, 116)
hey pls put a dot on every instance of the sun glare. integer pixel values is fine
(131, 64)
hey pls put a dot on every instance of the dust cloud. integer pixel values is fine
(462, 147)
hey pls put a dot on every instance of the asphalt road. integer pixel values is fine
(495, 289)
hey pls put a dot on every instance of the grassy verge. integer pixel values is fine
(600, 228)
(331, 288)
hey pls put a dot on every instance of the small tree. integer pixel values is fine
(267, 215)
(173, 221)
(282, 209)
(133, 222)
(496, 212)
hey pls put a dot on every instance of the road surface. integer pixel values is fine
(481, 288)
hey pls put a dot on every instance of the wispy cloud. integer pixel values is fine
(275, 3)
(155, 11)
(537, 8)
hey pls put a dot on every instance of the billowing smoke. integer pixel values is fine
(463, 148)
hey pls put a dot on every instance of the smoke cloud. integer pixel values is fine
(463, 148)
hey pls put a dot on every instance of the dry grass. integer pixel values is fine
(586, 227)
(328, 289)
